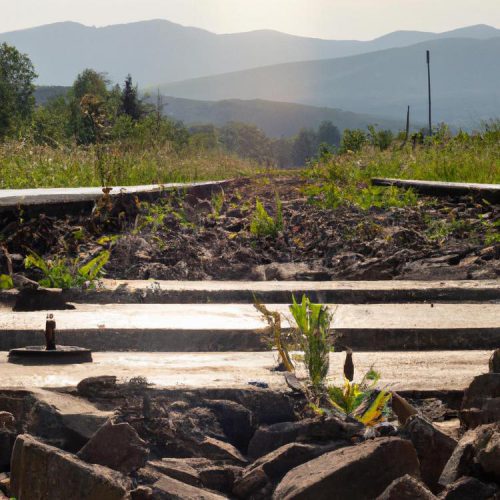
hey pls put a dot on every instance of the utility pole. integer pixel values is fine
(407, 124)
(429, 87)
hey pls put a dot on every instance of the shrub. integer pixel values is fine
(313, 324)
(262, 224)
(64, 273)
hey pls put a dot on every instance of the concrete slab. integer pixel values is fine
(490, 192)
(239, 327)
(346, 292)
(16, 197)
(400, 370)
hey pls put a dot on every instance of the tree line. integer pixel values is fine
(96, 112)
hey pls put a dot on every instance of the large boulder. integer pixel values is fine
(42, 471)
(406, 488)
(469, 487)
(477, 454)
(117, 446)
(236, 421)
(271, 468)
(481, 403)
(494, 362)
(357, 472)
(168, 488)
(434, 448)
(7, 439)
(269, 438)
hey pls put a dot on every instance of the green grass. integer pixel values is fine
(345, 179)
(23, 165)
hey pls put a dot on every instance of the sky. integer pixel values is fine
(331, 19)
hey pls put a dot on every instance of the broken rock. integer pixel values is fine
(481, 403)
(469, 487)
(357, 472)
(434, 448)
(117, 446)
(42, 471)
(168, 488)
(406, 488)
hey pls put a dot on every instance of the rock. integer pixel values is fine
(434, 448)
(7, 439)
(494, 363)
(282, 271)
(236, 421)
(481, 402)
(469, 487)
(406, 488)
(215, 449)
(7, 420)
(98, 387)
(141, 493)
(356, 472)
(178, 468)
(220, 478)
(168, 488)
(488, 455)
(253, 485)
(269, 438)
(465, 460)
(117, 446)
(42, 471)
(272, 467)
(64, 420)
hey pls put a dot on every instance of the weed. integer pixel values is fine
(274, 320)
(6, 282)
(262, 224)
(218, 199)
(64, 273)
(313, 325)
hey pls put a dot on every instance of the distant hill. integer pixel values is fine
(276, 119)
(465, 82)
(44, 94)
(159, 51)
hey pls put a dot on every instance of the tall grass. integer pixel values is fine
(24, 165)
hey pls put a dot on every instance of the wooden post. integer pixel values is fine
(429, 88)
(407, 124)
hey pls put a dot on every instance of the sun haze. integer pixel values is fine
(332, 19)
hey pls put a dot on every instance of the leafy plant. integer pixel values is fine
(262, 224)
(274, 320)
(360, 400)
(64, 273)
(6, 282)
(313, 324)
(218, 199)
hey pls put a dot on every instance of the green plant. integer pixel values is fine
(360, 400)
(6, 282)
(218, 199)
(64, 273)
(262, 224)
(278, 339)
(313, 325)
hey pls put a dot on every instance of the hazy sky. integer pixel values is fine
(336, 19)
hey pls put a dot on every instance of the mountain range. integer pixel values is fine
(159, 51)
(465, 82)
(378, 77)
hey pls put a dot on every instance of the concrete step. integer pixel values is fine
(239, 327)
(489, 192)
(241, 292)
(402, 371)
(68, 200)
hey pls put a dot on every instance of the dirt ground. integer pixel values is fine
(188, 238)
